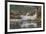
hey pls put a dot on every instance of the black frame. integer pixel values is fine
(24, 2)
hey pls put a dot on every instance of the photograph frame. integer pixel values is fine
(24, 2)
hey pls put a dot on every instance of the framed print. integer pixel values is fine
(22, 16)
